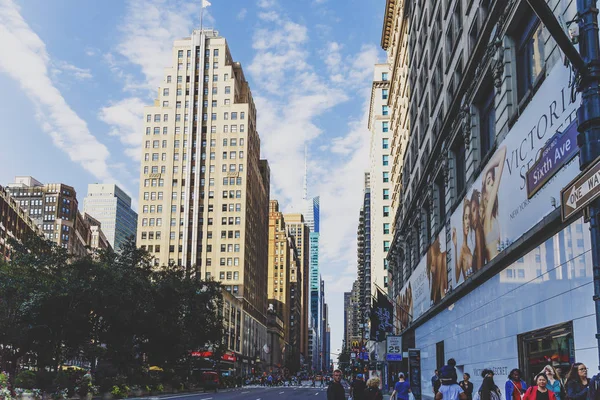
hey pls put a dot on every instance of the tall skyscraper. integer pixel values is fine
(111, 206)
(381, 216)
(204, 191)
(299, 231)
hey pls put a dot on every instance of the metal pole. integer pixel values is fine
(588, 114)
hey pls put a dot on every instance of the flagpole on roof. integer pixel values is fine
(205, 3)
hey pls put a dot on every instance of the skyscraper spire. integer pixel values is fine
(305, 193)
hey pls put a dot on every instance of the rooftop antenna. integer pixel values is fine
(305, 194)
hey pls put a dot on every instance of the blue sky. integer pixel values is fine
(76, 74)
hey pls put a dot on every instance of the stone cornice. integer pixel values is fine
(388, 23)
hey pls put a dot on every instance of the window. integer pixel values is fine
(384, 110)
(385, 143)
(487, 119)
(386, 194)
(385, 160)
(386, 229)
(168, 78)
(386, 211)
(386, 176)
(530, 53)
(384, 94)
(385, 126)
(384, 76)
(386, 245)
(459, 165)
(227, 89)
(441, 198)
(216, 52)
(166, 92)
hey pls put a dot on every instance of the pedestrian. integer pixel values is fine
(450, 392)
(401, 389)
(336, 391)
(554, 382)
(515, 386)
(489, 390)
(540, 391)
(467, 386)
(372, 392)
(357, 388)
(448, 373)
(435, 379)
(577, 382)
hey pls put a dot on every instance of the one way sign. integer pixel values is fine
(581, 191)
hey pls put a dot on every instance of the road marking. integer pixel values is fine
(183, 395)
(281, 392)
(245, 392)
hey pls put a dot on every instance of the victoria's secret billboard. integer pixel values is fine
(495, 211)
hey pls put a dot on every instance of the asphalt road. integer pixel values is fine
(253, 393)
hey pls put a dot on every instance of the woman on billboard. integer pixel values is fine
(437, 272)
(479, 251)
(489, 202)
(465, 257)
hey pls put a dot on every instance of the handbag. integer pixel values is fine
(411, 396)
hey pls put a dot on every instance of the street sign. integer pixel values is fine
(559, 150)
(394, 348)
(581, 191)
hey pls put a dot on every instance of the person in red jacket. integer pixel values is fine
(540, 391)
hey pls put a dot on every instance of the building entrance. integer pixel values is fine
(548, 346)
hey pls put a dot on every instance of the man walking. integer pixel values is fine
(336, 390)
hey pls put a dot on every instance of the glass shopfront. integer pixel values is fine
(549, 346)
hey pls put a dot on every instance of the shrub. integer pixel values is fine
(25, 380)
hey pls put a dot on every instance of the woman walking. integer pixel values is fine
(577, 382)
(515, 386)
(554, 381)
(372, 392)
(489, 390)
(540, 391)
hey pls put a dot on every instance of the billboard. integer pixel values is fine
(496, 211)
(427, 285)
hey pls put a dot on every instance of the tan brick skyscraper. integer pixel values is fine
(204, 191)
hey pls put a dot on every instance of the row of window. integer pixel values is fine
(229, 275)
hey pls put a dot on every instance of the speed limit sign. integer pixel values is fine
(394, 348)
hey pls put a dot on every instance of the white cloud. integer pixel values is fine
(266, 3)
(24, 58)
(125, 119)
(69, 69)
(242, 14)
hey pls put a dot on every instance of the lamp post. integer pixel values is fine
(587, 65)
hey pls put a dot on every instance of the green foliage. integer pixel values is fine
(110, 310)
(25, 380)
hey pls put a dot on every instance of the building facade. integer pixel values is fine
(299, 232)
(111, 206)
(477, 248)
(381, 216)
(15, 223)
(285, 285)
(364, 250)
(204, 191)
(312, 218)
(53, 208)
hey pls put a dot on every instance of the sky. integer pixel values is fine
(75, 76)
